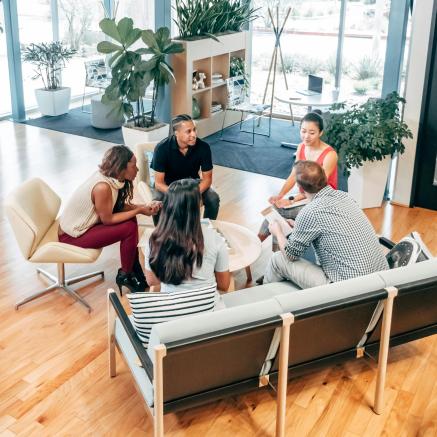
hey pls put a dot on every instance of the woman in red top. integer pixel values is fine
(312, 148)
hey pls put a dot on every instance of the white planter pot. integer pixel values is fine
(53, 102)
(132, 136)
(366, 184)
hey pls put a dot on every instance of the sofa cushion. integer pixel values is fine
(151, 308)
(257, 294)
(200, 324)
(414, 272)
(327, 293)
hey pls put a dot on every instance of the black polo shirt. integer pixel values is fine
(168, 159)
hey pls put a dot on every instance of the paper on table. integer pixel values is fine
(272, 215)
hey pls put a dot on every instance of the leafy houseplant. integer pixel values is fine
(367, 132)
(197, 18)
(364, 136)
(131, 74)
(49, 59)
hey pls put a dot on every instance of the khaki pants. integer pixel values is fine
(301, 272)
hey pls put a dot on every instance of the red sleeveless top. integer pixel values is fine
(333, 177)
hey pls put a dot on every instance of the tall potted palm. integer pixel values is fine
(48, 60)
(132, 74)
(365, 137)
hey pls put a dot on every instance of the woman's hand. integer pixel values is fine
(274, 199)
(283, 203)
(150, 208)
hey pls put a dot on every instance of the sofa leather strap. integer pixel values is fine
(271, 353)
(370, 327)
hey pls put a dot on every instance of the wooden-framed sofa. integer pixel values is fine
(201, 358)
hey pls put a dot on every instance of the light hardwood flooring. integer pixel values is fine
(53, 354)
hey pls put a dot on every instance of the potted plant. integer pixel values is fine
(131, 75)
(365, 137)
(48, 60)
(208, 18)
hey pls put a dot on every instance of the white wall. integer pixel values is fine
(420, 36)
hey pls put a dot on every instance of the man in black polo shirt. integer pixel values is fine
(181, 156)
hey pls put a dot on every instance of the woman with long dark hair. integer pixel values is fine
(101, 213)
(183, 254)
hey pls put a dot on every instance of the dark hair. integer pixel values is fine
(113, 163)
(176, 244)
(310, 176)
(315, 117)
(176, 121)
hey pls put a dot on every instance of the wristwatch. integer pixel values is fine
(290, 197)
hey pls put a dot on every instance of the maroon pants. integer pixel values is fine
(104, 235)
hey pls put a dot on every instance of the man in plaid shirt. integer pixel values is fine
(343, 238)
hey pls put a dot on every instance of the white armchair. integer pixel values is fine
(32, 211)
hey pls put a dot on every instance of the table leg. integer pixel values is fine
(248, 274)
(232, 283)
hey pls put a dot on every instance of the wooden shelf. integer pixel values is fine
(207, 56)
(201, 90)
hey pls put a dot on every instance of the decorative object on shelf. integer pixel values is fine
(195, 86)
(195, 109)
(201, 81)
(206, 18)
(48, 60)
(131, 75)
(274, 61)
(217, 79)
(362, 134)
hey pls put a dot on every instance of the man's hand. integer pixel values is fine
(275, 228)
(151, 208)
(290, 222)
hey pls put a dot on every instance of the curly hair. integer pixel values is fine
(113, 163)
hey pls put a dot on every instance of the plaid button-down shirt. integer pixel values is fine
(343, 238)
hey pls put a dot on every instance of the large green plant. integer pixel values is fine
(131, 74)
(366, 132)
(209, 17)
(48, 60)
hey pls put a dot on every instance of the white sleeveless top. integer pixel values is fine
(80, 214)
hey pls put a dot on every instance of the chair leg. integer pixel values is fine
(223, 124)
(62, 283)
(36, 295)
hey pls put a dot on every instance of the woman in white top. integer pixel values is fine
(101, 213)
(183, 254)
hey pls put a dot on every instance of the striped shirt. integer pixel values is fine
(343, 238)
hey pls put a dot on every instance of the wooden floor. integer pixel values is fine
(53, 355)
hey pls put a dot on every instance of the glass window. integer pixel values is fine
(35, 26)
(79, 29)
(142, 12)
(308, 42)
(5, 101)
(364, 48)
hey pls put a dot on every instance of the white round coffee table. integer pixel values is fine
(244, 247)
